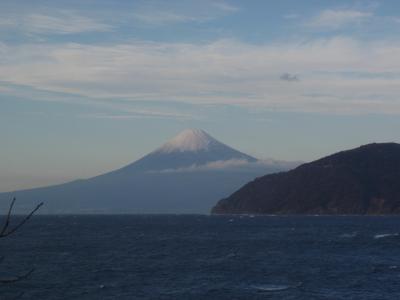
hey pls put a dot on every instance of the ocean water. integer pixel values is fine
(204, 257)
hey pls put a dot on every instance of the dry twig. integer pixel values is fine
(4, 232)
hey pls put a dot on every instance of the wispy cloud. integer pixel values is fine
(291, 16)
(224, 6)
(335, 19)
(157, 13)
(56, 22)
(5, 89)
(235, 164)
(138, 114)
(224, 71)
(164, 17)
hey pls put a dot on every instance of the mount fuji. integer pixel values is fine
(190, 148)
(187, 174)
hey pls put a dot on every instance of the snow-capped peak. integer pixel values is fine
(188, 140)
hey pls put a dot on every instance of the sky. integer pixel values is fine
(91, 85)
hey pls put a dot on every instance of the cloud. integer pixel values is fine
(136, 114)
(235, 165)
(289, 77)
(58, 22)
(164, 17)
(335, 19)
(291, 16)
(219, 72)
(5, 89)
(159, 13)
(226, 7)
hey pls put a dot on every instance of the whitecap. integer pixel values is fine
(384, 235)
(271, 287)
(349, 235)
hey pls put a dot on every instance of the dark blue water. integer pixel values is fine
(204, 257)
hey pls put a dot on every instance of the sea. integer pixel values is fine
(203, 257)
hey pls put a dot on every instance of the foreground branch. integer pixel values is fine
(4, 232)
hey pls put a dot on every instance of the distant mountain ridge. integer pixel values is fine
(365, 180)
(187, 174)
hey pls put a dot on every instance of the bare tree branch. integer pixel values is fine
(5, 226)
(4, 231)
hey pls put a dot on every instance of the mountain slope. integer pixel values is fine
(365, 180)
(191, 147)
(188, 174)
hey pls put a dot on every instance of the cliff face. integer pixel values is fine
(365, 180)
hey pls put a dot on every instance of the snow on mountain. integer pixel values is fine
(188, 140)
(191, 147)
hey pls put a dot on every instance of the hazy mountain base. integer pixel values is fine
(171, 192)
(188, 174)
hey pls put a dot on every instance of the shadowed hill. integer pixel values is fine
(365, 180)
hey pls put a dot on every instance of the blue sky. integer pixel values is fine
(89, 86)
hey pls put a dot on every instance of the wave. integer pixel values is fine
(273, 287)
(218, 260)
(349, 235)
(384, 235)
